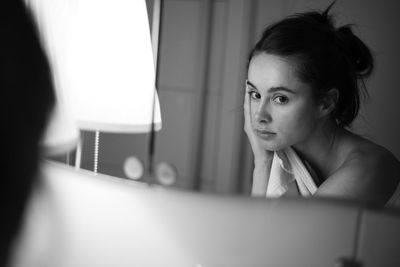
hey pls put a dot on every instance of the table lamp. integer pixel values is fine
(102, 56)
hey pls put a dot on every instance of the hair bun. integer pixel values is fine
(358, 52)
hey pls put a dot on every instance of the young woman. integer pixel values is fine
(302, 91)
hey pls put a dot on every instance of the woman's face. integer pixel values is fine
(282, 108)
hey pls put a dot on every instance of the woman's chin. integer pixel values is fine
(272, 146)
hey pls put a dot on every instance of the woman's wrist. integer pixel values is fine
(263, 159)
(262, 166)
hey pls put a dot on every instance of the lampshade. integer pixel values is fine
(109, 66)
(103, 53)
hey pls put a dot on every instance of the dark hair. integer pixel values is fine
(327, 57)
(26, 92)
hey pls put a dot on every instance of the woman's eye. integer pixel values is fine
(281, 99)
(254, 95)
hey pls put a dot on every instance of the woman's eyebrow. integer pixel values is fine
(250, 84)
(273, 89)
(281, 88)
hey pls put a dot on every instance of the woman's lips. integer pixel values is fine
(264, 134)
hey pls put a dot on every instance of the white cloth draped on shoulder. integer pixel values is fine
(288, 168)
(287, 171)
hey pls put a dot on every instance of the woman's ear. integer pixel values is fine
(328, 102)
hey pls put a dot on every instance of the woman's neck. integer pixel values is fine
(320, 149)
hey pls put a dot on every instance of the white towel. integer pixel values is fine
(286, 169)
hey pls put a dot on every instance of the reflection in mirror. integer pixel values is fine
(305, 78)
(57, 216)
(201, 76)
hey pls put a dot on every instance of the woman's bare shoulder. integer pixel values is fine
(369, 155)
(361, 151)
(368, 172)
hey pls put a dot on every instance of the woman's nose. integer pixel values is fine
(262, 114)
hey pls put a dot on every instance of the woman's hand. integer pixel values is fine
(262, 157)
(260, 154)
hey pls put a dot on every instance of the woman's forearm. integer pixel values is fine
(262, 168)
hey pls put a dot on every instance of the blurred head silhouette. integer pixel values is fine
(26, 92)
